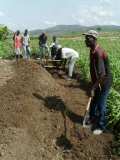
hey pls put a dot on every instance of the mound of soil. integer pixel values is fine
(40, 117)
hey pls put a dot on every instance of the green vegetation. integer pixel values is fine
(6, 49)
(3, 32)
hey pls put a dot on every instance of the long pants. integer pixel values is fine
(71, 64)
(44, 51)
(98, 107)
(26, 52)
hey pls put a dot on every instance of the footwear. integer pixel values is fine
(97, 131)
(68, 79)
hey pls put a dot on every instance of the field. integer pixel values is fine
(111, 43)
(112, 47)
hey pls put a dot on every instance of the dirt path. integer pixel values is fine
(6, 71)
(40, 117)
(85, 144)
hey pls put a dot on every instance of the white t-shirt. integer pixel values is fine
(54, 44)
(26, 40)
(68, 53)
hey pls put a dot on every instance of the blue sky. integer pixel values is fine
(40, 14)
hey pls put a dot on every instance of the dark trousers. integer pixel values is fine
(98, 107)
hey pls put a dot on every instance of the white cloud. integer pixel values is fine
(11, 25)
(104, 13)
(114, 23)
(15, 26)
(2, 14)
(107, 1)
(49, 23)
(95, 15)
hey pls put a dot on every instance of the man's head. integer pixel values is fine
(91, 38)
(54, 38)
(42, 34)
(59, 49)
(26, 32)
(17, 32)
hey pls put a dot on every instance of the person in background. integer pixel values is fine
(44, 50)
(54, 47)
(26, 44)
(69, 56)
(101, 79)
(18, 45)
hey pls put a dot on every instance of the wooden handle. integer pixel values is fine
(88, 105)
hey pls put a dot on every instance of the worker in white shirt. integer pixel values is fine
(26, 45)
(71, 56)
(54, 47)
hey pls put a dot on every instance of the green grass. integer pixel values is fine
(6, 49)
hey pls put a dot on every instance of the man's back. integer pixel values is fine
(42, 39)
(69, 52)
(26, 40)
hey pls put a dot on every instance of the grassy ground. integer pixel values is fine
(6, 49)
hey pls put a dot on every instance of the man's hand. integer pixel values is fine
(92, 93)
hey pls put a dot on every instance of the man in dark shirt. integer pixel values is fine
(44, 50)
(101, 79)
(42, 39)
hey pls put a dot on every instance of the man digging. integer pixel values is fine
(101, 79)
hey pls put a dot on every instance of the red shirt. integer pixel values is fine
(99, 65)
(18, 42)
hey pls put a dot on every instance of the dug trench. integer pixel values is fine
(41, 116)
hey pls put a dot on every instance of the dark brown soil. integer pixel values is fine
(41, 115)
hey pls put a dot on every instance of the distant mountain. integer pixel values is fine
(36, 32)
(59, 30)
(73, 29)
